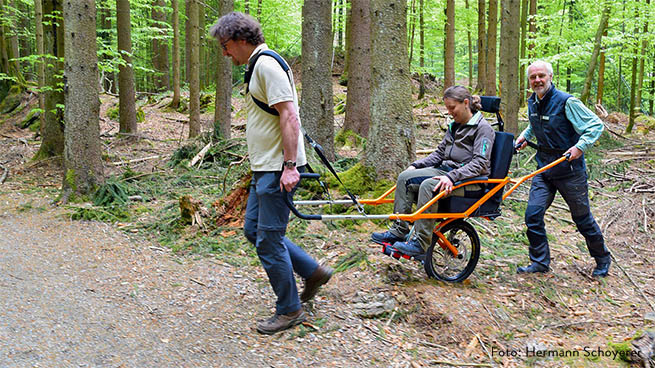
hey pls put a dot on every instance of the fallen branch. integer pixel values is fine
(458, 364)
(119, 163)
(200, 154)
(198, 282)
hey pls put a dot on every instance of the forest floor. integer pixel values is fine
(140, 288)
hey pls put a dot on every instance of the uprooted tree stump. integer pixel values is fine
(231, 209)
(192, 211)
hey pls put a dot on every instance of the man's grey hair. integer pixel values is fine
(549, 67)
(238, 26)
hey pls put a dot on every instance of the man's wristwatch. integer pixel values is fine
(289, 164)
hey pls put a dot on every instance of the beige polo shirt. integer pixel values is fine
(269, 84)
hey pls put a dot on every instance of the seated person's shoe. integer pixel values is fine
(385, 237)
(411, 247)
(280, 322)
(532, 268)
(314, 282)
(602, 268)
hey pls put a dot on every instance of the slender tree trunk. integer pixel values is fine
(449, 60)
(38, 19)
(246, 6)
(470, 47)
(633, 79)
(644, 46)
(259, 10)
(187, 40)
(9, 46)
(532, 28)
(492, 32)
(109, 80)
(524, 30)
(340, 25)
(202, 70)
(194, 76)
(348, 39)
(13, 42)
(160, 47)
(52, 131)
(223, 108)
(509, 64)
(482, 48)
(421, 90)
(391, 142)
(602, 26)
(601, 73)
(358, 100)
(652, 90)
(126, 91)
(175, 4)
(316, 110)
(82, 154)
(412, 17)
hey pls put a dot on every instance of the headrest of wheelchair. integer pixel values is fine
(490, 103)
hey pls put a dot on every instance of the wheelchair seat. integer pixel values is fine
(501, 159)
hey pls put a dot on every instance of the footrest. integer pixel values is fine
(389, 250)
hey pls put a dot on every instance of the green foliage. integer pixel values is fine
(111, 193)
(355, 258)
(113, 113)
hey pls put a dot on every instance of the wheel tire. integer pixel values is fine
(439, 262)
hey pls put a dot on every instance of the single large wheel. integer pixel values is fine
(442, 264)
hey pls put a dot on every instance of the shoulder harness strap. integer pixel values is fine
(251, 68)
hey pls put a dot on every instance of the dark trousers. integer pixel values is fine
(574, 190)
(265, 225)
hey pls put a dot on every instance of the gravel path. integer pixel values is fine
(80, 294)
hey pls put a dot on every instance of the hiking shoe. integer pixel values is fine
(411, 248)
(602, 268)
(385, 237)
(320, 277)
(281, 322)
(534, 267)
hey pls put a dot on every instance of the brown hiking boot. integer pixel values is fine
(314, 282)
(280, 322)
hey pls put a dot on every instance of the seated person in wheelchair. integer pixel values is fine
(464, 153)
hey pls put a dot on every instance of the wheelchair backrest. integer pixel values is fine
(501, 155)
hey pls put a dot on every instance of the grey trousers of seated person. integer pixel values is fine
(417, 186)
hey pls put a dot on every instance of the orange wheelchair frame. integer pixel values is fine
(455, 247)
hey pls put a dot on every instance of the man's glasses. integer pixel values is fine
(224, 44)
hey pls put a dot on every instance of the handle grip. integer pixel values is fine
(288, 199)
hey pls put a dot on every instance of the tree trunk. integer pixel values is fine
(126, 92)
(348, 39)
(358, 100)
(340, 18)
(9, 45)
(532, 28)
(482, 48)
(246, 6)
(633, 80)
(175, 4)
(223, 108)
(412, 17)
(160, 46)
(524, 35)
(202, 70)
(38, 19)
(421, 33)
(259, 10)
(601, 73)
(82, 154)
(492, 33)
(52, 131)
(602, 26)
(644, 47)
(109, 80)
(316, 110)
(194, 72)
(449, 51)
(187, 40)
(509, 64)
(391, 142)
(470, 47)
